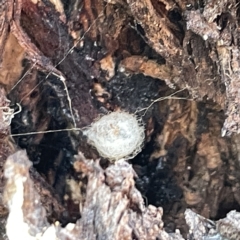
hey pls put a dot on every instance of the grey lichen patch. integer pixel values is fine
(118, 135)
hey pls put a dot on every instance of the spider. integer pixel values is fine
(10, 13)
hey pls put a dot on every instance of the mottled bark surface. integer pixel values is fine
(175, 64)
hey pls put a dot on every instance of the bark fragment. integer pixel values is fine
(113, 208)
(205, 229)
(186, 161)
(7, 147)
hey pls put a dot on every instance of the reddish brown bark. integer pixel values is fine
(174, 63)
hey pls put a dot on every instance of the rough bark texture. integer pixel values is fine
(175, 64)
(113, 207)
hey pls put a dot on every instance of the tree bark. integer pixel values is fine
(175, 64)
